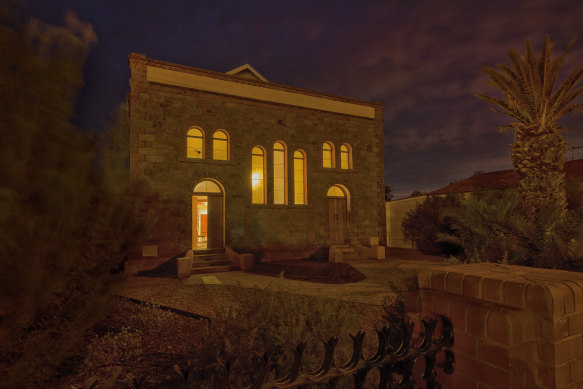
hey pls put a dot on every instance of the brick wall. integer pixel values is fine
(515, 327)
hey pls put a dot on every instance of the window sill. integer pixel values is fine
(336, 169)
(279, 206)
(207, 161)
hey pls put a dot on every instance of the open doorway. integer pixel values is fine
(207, 216)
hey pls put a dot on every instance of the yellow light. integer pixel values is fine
(256, 179)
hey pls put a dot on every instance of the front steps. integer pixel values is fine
(211, 261)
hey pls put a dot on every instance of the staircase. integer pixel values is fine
(342, 252)
(211, 261)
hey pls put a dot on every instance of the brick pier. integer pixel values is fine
(515, 327)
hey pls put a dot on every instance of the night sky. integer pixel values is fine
(421, 59)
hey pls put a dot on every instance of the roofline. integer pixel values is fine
(235, 79)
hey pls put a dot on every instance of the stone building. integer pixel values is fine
(238, 161)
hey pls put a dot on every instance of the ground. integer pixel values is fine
(148, 341)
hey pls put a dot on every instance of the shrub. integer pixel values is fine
(422, 224)
(492, 226)
(65, 219)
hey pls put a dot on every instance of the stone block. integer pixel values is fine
(377, 252)
(246, 261)
(183, 267)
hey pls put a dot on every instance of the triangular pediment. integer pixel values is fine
(246, 71)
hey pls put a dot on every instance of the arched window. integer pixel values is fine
(194, 143)
(258, 175)
(345, 156)
(300, 193)
(220, 145)
(328, 154)
(279, 173)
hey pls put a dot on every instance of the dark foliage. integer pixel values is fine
(423, 223)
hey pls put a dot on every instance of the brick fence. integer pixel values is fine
(515, 327)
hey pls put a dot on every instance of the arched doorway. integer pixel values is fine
(207, 216)
(338, 207)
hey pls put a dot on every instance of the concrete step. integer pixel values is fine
(210, 257)
(208, 251)
(214, 269)
(199, 264)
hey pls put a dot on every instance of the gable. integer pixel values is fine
(246, 71)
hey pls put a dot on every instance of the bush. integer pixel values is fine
(65, 221)
(422, 225)
(492, 227)
(260, 319)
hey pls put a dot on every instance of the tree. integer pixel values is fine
(533, 101)
(388, 193)
(64, 219)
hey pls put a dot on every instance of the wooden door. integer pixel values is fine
(215, 222)
(203, 225)
(337, 216)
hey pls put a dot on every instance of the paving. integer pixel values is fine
(197, 292)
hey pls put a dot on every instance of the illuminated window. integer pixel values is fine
(299, 178)
(328, 154)
(220, 146)
(279, 169)
(194, 143)
(207, 186)
(257, 175)
(345, 156)
(335, 191)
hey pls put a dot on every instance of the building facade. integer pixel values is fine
(241, 162)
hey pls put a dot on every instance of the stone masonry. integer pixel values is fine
(161, 112)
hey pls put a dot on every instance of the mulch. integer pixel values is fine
(311, 271)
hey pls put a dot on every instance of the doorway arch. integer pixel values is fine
(208, 216)
(338, 208)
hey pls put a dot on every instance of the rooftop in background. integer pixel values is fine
(501, 179)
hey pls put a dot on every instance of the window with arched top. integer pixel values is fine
(220, 145)
(328, 154)
(335, 191)
(345, 156)
(300, 193)
(258, 175)
(207, 186)
(195, 143)
(279, 173)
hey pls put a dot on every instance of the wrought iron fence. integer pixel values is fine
(394, 359)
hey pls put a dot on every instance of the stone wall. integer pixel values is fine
(515, 327)
(160, 116)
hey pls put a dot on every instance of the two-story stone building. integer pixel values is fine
(242, 162)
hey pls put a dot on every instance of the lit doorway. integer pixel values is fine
(338, 206)
(207, 216)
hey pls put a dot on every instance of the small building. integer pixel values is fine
(237, 161)
(397, 210)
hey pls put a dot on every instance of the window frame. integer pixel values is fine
(227, 142)
(348, 154)
(303, 177)
(189, 136)
(262, 179)
(283, 172)
(332, 152)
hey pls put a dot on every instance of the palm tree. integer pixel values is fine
(534, 101)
